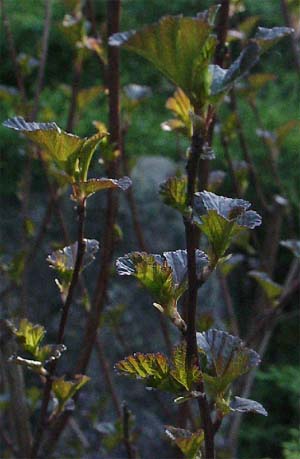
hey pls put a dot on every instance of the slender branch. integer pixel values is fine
(63, 321)
(191, 242)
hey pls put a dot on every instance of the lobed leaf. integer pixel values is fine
(63, 260)
(173, 192)
(180, 47)
(70, 153)
(64, 390)
(188, 442)
(227, 359)
(220, 219)
(271, 288)
(82, 190)
(30, 335)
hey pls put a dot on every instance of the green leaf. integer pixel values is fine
(180, 47)
(165, 276)
(50, 352)
(179, 371)
(271, 288)
(65, 390)
(188, 442)
(160, 373)
(174, 192)
(220, 219)
(30, 335)
(266, 38)
(245, 405)
(293, 245)
(70, 153)
(63, 260)
(83, 190)
(227, 359)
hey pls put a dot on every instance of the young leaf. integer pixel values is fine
(220, 219)
(181, 107)
(173, 192)
(188, 442)
(227, 359)
(65, 390)
(70, 153)
(63, 260)
(163, 275)
(30, 335)
(245, 405)
(179, 368)
(83, 190)
(50, 352)
(180, 47)
(266, 38)
(293, 245)
(158, 372)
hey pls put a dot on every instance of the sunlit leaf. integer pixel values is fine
(164, 276)
(181, 107)
(64, 390)
(227, 359)
(188, 442)
(96, 45)
(174, 192)
(293, 245)
(271, 288)
(63, 260)
(83, 190)
(266, 38)
(30, 335)
(70, 153)
(158, 372)
(50, 352)
(245, 405)
(220, 219)
(180, 47)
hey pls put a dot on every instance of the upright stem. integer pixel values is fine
(191, 339)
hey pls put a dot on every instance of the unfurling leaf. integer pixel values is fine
(65, 390)
(271, 288)
(180, 47)
(165, 276)
(29, 336)
(227, 359)
(70, 154)
(174, 192)
(245, 405)
(266, 38)
(188, 442)
(83, 190)
(220, 219)
(293, 245)
(63, 260)
(158, 372)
